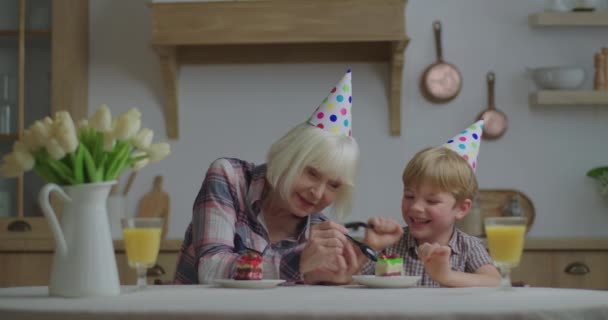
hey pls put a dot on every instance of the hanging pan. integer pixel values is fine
(495, 121)
(441, 82)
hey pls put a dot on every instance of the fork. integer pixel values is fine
(367, 251)
(355, 225)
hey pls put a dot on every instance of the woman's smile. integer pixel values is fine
(305, 203)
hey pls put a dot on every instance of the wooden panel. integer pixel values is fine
(36, 243)
(28, 33)
(25, 269)
(569, 19)
(568, 98)
(284, 53)
(166, 263)
(33, 269)
(39, 228)
(535, 269)
(396, 70)
(493, 201)
(584, 244)
(169, 72)
(277, 21)
(548, 269)
(70, 57)
(21, 98)
(597, 262)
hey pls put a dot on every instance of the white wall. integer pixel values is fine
(239, 110)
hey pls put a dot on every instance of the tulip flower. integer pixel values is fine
(143, 138)
(127, 124)
(108, 141)
(140, 163)
(158, 151)
(102, 119)
(54, 149)
(94, 150)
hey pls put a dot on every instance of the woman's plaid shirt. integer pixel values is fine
(226, 222)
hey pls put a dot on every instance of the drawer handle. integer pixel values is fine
(19, 226)
(577, 269)
(155, 271)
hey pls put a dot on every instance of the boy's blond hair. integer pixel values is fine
(444, 169)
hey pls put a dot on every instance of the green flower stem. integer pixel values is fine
(98, 154)
(42, 162)
(78, 164)
(61, 170)
(89, 165)
(118, 160)
(136, 159)
(46, 174)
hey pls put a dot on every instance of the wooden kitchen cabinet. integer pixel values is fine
(44, 53)
(25, 268)
(161, 273)
(561, 263)
(564, 264)
(28, 262)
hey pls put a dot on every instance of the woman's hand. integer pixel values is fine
(436, 260)
(347, 266)
(324, 248)
(384, 233)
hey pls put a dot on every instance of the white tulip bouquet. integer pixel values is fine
(95, 150)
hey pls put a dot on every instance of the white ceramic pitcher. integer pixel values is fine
(84, 263)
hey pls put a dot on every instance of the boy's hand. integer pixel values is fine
(436, 260)
(384, 233)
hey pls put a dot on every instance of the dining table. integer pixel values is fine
(207, 302)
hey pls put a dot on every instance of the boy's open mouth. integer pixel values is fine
(419, 221)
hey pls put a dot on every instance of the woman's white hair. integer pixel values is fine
(306, 145)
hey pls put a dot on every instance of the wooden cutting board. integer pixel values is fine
(155, 204)
(493, 202)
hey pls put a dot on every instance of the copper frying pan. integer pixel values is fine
(441, 82)
(495, 121)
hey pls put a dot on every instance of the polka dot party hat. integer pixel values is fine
(334, 112)
(467, 142)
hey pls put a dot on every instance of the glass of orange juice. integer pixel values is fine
(142, 243)
(506, 243)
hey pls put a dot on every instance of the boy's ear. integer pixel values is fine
(463, 208)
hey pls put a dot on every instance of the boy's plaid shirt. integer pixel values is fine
(468, 254)
(226, 222)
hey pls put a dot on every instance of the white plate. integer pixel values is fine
(387, 282)
(248, 284)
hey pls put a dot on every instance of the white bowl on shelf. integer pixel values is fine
(558, 78)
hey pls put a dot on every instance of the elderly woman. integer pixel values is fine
(275, 208)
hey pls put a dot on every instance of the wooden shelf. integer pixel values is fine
(568, 98)
(9, 137)
(278, 31)
(28, 33)
(569, 19)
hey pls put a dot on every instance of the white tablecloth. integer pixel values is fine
(308, 302)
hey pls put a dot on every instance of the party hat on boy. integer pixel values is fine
(467, 142)
(334, 112)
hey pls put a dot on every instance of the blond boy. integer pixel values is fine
(439, 185)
